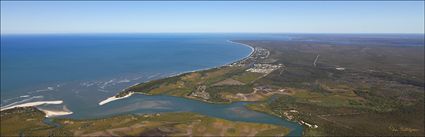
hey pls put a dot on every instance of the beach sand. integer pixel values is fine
(53, 113)
(113, 98)
(33, 104)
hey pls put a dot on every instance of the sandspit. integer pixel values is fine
(113, 98)
(52, 113)
(33, 104)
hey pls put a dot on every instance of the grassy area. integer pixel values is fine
(214, 79)
(28, 122)
(23, 122)
(248, 77)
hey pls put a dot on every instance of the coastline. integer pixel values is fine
(252, 49)
(33, 104)
(113, 98)
(48, 113)
(53, 113)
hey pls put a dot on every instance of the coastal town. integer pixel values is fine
(256, 56)
(200, 92)
(264, 68)
(251, 64)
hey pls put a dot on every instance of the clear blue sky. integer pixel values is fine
(237, 16)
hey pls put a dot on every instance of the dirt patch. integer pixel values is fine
(154, 133)
(111, 132)
(228, 81)
(201, 129)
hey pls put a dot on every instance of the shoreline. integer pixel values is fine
(48, 113)
(113, 98)
(53, 113)
(33, 104)
(252, 50)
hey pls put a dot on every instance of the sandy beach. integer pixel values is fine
(252, 48)
(33, 104)
(113, 98)
(52, 113)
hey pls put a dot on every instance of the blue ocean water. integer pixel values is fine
(83, 69)
(33, 64)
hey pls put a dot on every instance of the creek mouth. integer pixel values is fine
(148, 104)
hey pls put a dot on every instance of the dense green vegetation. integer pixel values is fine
(23, 122)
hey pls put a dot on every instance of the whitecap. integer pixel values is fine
(87, 84)
(136, 78)
(22, 101)
(24, 96)
(9, 99)
(32, 104)
(124, 81)
(105, 84)
(42, 90)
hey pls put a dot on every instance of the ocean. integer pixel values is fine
(57, 67)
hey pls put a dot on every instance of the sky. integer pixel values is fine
(24, 17)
